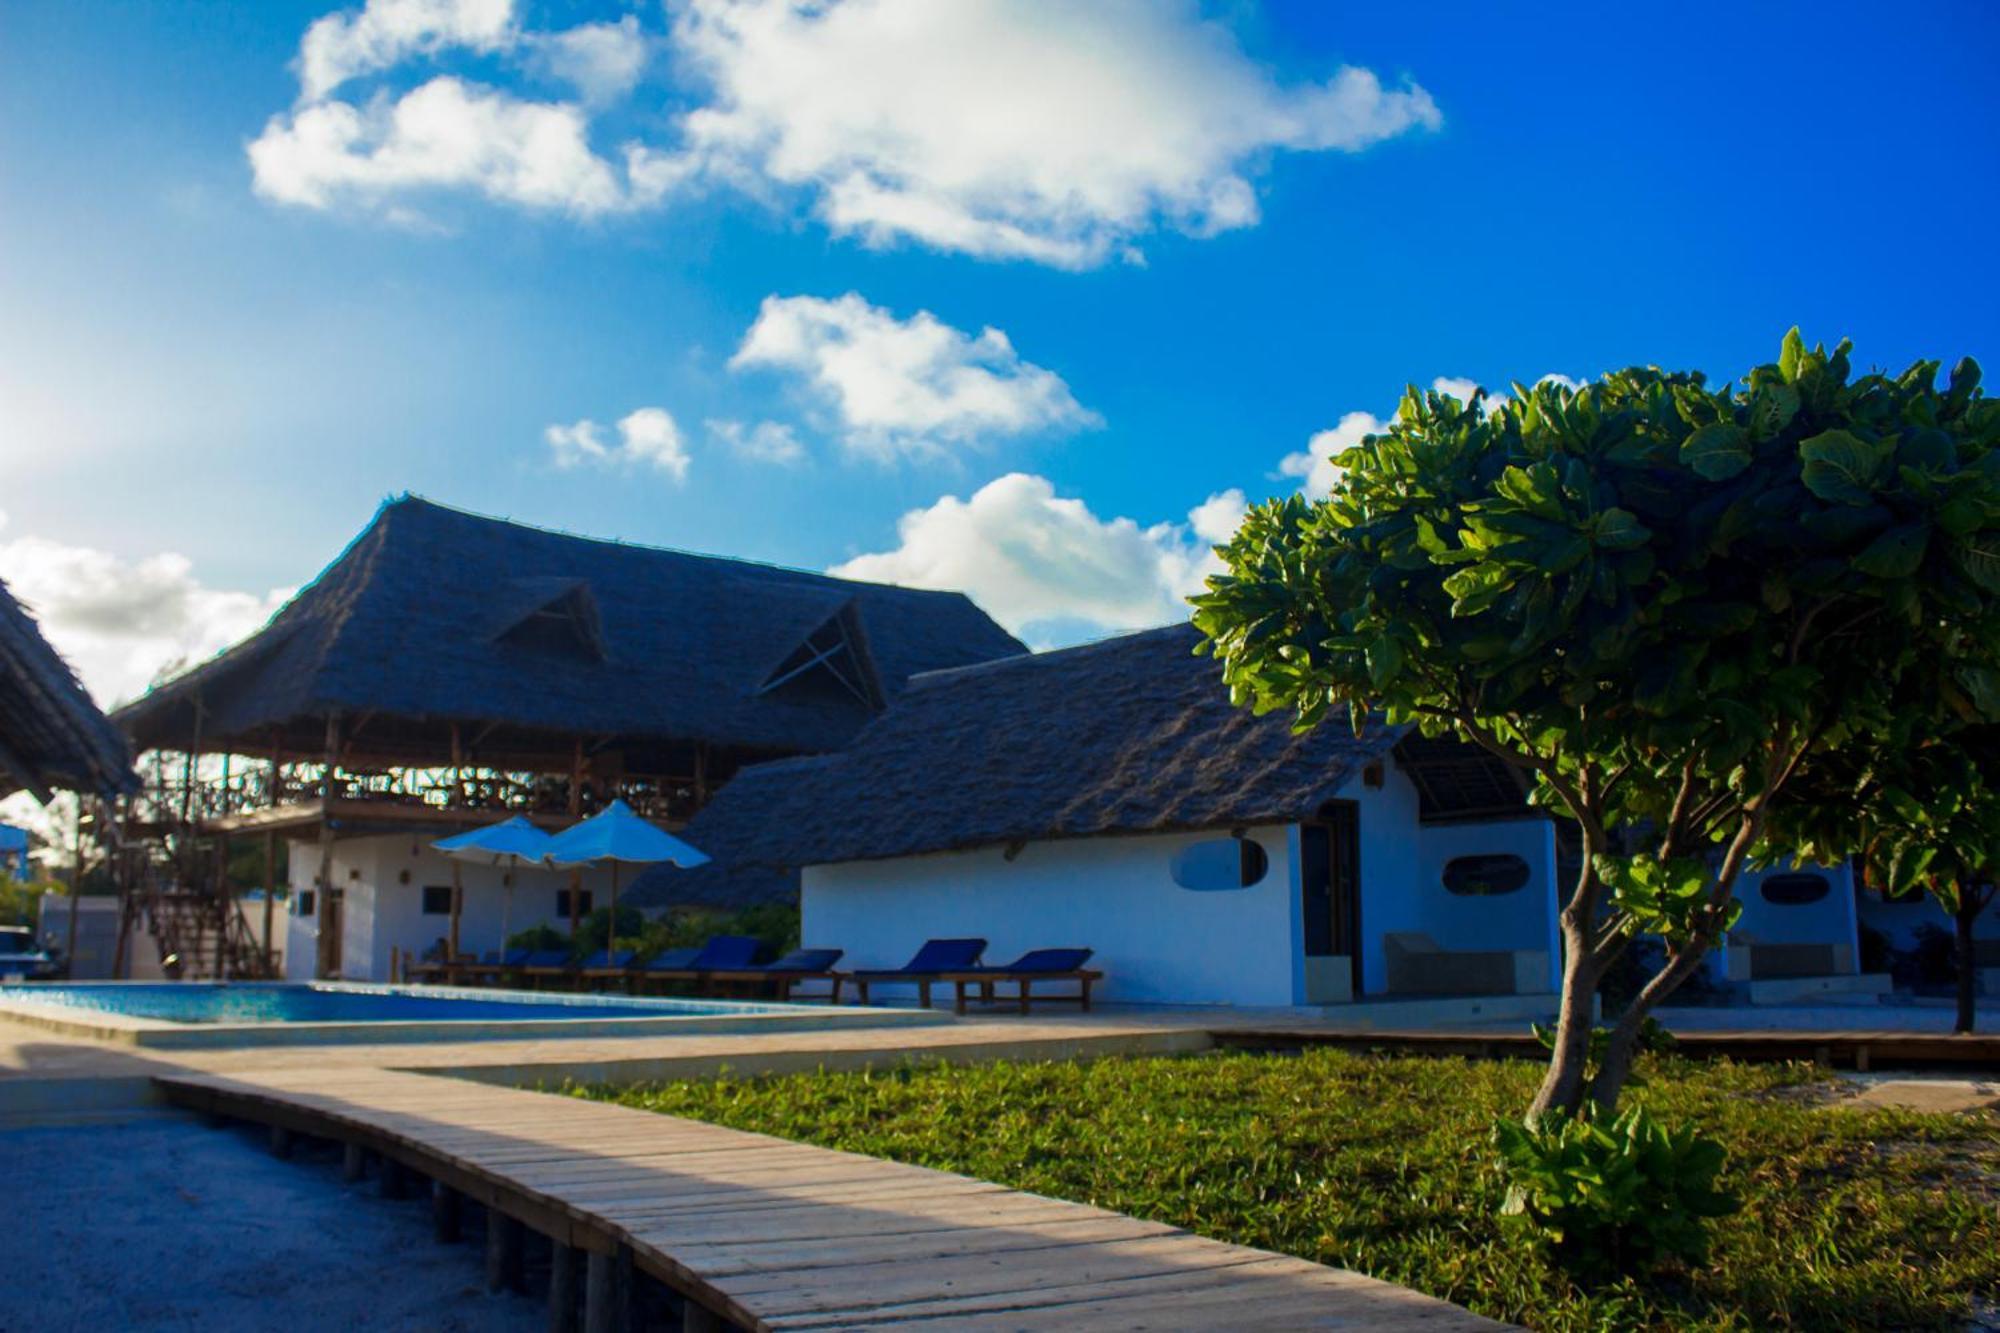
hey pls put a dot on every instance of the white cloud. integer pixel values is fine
(384, 33)
(1041, 130)
(1041, 563)
(1314, 464)
(907, 385)
(648, 437)
(445, 134)
(602, 60)
(651, 437)
(765, 442)
(1033, 129)
(121, 622)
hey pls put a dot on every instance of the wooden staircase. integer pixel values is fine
(201, 935)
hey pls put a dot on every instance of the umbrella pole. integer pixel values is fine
(611, 926)
(457, 907)
(507, 901)
(575, 902)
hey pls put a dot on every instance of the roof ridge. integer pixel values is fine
(943, 675)
(819, 577)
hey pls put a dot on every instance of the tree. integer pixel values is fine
(1922, 814)
(1661, 602)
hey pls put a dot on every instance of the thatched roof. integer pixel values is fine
(433, 614)
(1131, 735)
(51, 734)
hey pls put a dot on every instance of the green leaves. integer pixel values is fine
(1896, 553)
(1717, 452)
(1791, 355)
(1841, 467)
(1613, 1197)
(1671, 899)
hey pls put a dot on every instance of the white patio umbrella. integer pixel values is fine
(618, 835)
(508, 843)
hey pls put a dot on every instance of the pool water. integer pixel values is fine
(349, 1002)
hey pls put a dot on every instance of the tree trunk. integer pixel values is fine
(1562, 1083)
(1969, 903)
(1623, 1045)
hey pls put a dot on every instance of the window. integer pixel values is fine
(1794, 890)
(1485, 876)
(437, 900)
(1220, 865)
(582, 905)
(307, 901)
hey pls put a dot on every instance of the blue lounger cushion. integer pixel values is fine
(672, 960)
(604, 958)
(727, 953)
(1046, 960)
(805, 961)
(936, 956)
(547, 958)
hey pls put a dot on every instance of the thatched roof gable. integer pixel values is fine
(414, 621)
(1130, 735)
(51, 734)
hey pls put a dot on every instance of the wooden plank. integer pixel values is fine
(770, 1234)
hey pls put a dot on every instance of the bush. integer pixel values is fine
(539, 938)
(1933, 962)
(1613, 1200)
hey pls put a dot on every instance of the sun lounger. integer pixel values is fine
(932, 963)
(485, 970)
(604, 965)
(724, 953)
(544, 967)
(506, 971)
(1043, 965)
(796, 966)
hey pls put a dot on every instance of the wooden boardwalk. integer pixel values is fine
(763, 1233)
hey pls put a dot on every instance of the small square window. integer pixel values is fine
(308, 901)
(562, 903)
(437, 900)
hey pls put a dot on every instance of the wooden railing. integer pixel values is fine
(173, 797)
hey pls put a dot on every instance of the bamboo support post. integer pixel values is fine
(327, 959)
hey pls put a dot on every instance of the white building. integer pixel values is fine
(1110, 797)
(394, 903)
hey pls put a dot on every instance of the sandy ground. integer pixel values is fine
(163, 1223)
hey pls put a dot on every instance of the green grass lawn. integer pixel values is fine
(1851, 1219)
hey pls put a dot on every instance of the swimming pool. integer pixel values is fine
(207, 1014)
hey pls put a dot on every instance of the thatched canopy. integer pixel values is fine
(51, 734)
(1131, 735)
(525, 638)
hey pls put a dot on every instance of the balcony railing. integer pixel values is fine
(172, 796)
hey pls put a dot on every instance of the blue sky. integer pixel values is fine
(1202, 244)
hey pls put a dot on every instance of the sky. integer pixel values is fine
(1023, 298)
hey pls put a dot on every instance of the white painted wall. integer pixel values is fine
(1155, 941)
(1402, 886)
(1831, 920)
(381, 914)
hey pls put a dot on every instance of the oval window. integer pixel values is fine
(1220, 865)
(1487, 875)
(1794, 890)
